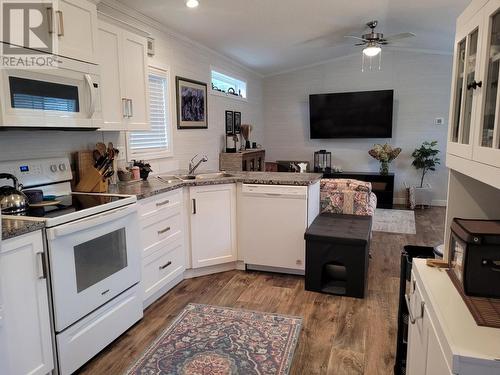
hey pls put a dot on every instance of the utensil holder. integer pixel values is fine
(92, 182)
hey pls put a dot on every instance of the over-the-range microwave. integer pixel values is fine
(66, 97)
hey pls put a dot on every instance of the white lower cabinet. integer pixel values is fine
(163, 249)
(213, 225)
(443, 338)
(25, 334)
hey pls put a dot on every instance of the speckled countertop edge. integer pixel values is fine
(153, 186)
(15, 227)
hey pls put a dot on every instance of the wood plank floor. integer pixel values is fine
(340, 335)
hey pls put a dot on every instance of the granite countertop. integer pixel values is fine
(154, 186)
(16, 227)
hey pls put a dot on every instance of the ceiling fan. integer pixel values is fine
(374, 40)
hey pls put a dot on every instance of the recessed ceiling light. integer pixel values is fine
(192, 3)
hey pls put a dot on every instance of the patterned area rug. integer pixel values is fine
(394, 221)
(212, 340)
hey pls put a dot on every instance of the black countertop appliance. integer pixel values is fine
(475, 256)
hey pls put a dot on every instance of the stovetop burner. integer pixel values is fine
(67, 204)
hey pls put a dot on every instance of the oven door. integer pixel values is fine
(93, 260)
(66, 97)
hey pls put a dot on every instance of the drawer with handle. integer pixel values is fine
(161, 231)
(162, 267)
(158, 205)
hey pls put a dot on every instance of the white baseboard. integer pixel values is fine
(254, 267)
(435, 202)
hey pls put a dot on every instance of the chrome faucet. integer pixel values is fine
(193, 167)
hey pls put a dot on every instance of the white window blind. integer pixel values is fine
(157, 140)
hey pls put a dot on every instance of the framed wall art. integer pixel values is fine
(237, 122)
(229, 122)
(192, 108)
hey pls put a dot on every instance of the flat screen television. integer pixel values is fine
(365, 114)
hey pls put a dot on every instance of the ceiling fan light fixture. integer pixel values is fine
(192, 3)
(372, 50)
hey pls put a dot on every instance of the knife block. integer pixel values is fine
(92, 182)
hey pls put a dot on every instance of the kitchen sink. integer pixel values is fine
(189, 177)
(212, 176)
(168, 179)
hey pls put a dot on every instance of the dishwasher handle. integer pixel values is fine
(274, 190)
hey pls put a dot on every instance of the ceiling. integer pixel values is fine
(271, 36)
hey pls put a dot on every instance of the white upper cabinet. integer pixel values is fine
(72, 27)
(466, 89)
(487, 135)
(113, 107)
(25, 334)
(213, 225)
(75, 24)
(474, 130)
(124, 89)
(136, 87)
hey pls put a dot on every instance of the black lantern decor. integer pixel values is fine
(322, 161)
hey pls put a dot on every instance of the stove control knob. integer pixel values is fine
(53, 168)
(62, 167)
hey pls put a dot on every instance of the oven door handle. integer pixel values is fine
(93, 221)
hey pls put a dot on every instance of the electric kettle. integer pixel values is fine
(12, 199)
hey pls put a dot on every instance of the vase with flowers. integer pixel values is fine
(385, 154)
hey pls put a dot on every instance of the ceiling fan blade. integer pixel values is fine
(391, 38)
(360, 44)
(355, 37)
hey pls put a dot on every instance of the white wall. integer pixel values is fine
(422, 91)
(182, 58)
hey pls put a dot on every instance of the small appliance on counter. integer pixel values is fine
(475, 256)
(322, 161)
(231, 143)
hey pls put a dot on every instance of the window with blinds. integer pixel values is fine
(155, 142)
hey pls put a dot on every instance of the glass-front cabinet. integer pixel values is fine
(466, 90)
(487, 132)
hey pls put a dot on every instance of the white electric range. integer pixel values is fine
(93, 254)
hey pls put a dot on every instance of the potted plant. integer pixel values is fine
(384, 154)
(425, 159)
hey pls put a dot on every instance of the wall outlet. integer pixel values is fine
(439, 121)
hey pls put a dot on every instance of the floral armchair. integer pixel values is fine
(346, 196)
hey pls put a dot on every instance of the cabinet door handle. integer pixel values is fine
(194, 206)
(131, 108)
(165, 265)
(164, 230)
(474, 85)
(413, 319)
(60, 18)
(124, 107)
(50, 19)
(42, 268)
(159, 204)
